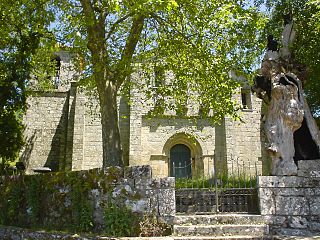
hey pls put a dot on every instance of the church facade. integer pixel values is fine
(63, 132)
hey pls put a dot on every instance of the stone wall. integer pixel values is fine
(244, 138)
(291, 203)
(92, 134)
(46, 124)
(152, 138)
(58, 200)
(64, 132)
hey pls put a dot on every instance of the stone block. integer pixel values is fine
(292, 232)
(298, 222)
(315, 174)
(316, 191)
(287, 182)
(166, 202)
(315, 206)
(290, 191)
(314, 226)
(309, 168)
(292, 206)
(267, 204)
(167, 182)
(278, 220)
(139, 206)
(114, 174)
(142, 184)
(144, 171)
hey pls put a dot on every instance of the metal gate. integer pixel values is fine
(228, 185)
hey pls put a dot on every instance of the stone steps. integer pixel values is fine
(217, 219)
(224, 238)
(196, 238)
(221, 230)
(220, 226)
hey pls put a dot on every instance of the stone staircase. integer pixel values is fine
(220, 226)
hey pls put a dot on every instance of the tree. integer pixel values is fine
(305, 49)
(21, 25)
(199, 41)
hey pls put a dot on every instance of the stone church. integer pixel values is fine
(63, 132)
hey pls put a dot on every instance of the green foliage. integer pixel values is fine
(200, 42)
(120, 221)
(42, 201)
(33, 197)
(15, 205)
(150, 226)
(82, 209)
(62, 202)
(305, 49)
(44, 66)
(11, 130)
(223, 181)
(22, 25)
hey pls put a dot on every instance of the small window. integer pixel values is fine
(246, 99)
(56, 61)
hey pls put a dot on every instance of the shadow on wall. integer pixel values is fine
(47, 146)
(69, 131)
(56, 157)
(28, 147)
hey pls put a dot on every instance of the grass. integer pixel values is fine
(221, 182)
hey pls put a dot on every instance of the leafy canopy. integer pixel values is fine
(21, 26)
(306, 48)
(199, 41)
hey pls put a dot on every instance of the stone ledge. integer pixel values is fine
(287, 182)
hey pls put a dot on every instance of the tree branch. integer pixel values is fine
(160, 20)
(113, 27)
(90, 21)
(96, 42)
(124, 65)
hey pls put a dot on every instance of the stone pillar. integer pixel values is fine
(70, 126)
(78, 109)
(291, 204)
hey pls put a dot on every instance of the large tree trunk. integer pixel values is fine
(291, 130)
(112, 152)
(109, 81)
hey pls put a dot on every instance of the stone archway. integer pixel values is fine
(192, 144)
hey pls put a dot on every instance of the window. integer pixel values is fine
(56, 62)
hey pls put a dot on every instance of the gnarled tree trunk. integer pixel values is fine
(291, 131)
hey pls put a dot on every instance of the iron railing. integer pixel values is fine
(227, 185)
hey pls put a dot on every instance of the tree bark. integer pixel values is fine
(109, 81)
(112, 151)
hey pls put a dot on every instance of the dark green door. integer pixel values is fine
(180, 161)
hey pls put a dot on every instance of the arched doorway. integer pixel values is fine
(180, 161)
